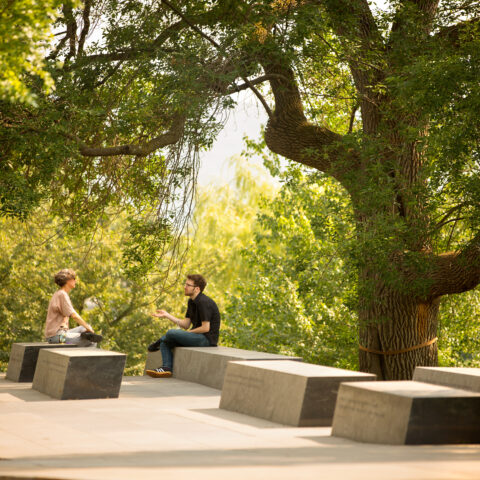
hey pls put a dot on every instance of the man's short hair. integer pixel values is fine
(63, 276)
(198, 281)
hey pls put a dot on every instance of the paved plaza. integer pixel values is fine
(171, 429)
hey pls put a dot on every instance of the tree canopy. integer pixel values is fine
(25, 32)
(383, 100)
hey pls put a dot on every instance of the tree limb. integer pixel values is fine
(445, 219)
(60, 45)
(141, 150)
(355, 24)
(352, 117)
(86, 25)
(444, 274)
(453, 33)
(71, 30)
(456, 272)
(220, 49)
(108, 75)
(134, 52)
(256, 81)
(290, 134)
(427, 8)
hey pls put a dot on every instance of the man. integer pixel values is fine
(202, 315)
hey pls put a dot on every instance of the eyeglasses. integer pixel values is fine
(189, 285)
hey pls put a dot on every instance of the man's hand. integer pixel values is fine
(177, 321)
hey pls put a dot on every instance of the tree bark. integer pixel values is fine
(391, 323)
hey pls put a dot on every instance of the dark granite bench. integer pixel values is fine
(406, 412)
(292, 393)
(23, 359)
(207, 365)
(79, 373)
(455, 377)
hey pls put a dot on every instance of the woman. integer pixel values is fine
(60, 309)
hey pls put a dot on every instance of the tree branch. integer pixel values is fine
(445, 219)
(108, 75)
(453, 33)
(86, 25)
(352, 117)
(256, 81)
(427, 8)
(60, 45)
(141, 150)
(456, 272)
(131, 53)
(355, 24)
(290, 134)
(445, 274)
(220, 49)
(71, 29)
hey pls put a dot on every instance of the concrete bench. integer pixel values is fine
(292, 393)
(207, 365)
(406, 412)
(79, 373)
(463, 378)
(23, 359)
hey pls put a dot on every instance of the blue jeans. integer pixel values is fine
(72, 337)
(179, 338)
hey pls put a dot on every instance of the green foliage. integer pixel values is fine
(32, 252)
(296, 295)
(223, 223)
(117, 305)
(399, 90)
(276, 263)
(25, 27)
(459, 338)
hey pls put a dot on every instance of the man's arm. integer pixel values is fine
(203, 329)
(182, 323)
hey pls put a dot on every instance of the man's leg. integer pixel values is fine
(179, 338)
(172, 339)
(184, 338)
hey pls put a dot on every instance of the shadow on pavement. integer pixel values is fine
(346, 453)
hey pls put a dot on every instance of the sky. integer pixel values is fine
(246, 119)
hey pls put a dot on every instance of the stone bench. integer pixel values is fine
(23, 359)
(292, 393)
(406, 413)
(463, 378)
(207, 365)
(79, 373)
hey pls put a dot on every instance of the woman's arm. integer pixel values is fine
(81, 321)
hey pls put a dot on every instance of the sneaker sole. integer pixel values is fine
(153, 373)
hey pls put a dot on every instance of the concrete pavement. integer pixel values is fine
(168, 428)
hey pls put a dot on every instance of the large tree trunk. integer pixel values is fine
(397, 325)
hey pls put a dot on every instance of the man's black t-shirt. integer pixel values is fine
(204, 309)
